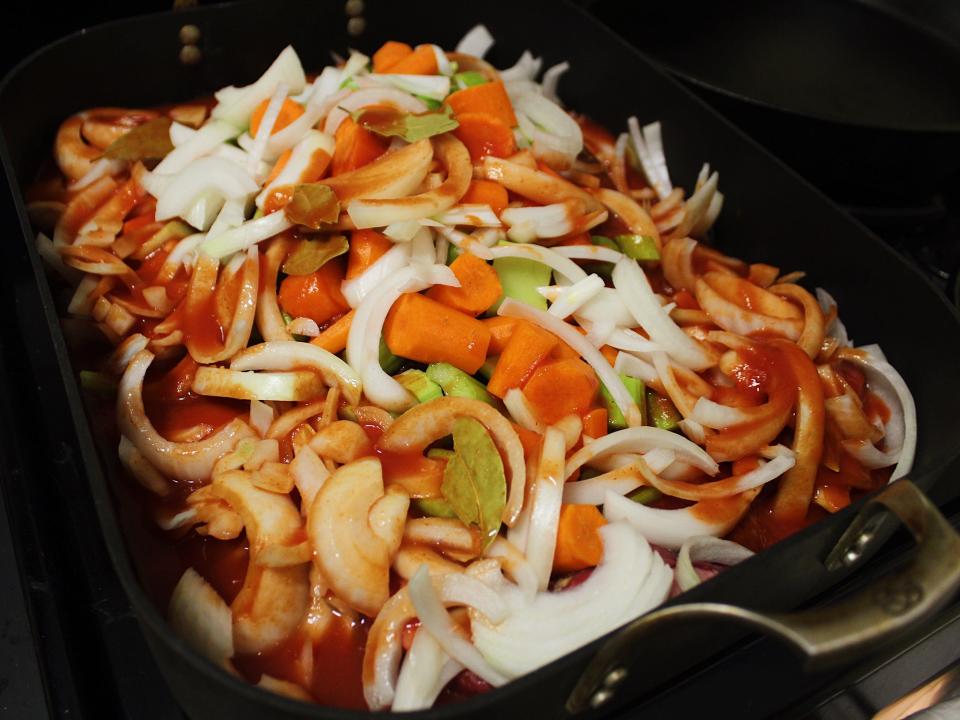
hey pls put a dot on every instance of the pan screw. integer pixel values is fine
(190, 55)
(356, 26)
(353, 8)
(600, 697)
(615, 677)
(856, 549)
(189, 35)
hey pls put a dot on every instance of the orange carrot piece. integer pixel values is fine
(316, 296)
(490, 98)
(355, 146)
(389, 54)
(532, 441)
(501, 328)
(561, 388)
(685, 299)
(421, 61)
(595, 423)
(366, 247)
(579, 545)
(486, 192)
(334, 338)
(424, 330)
(485, 134)
(609, 354)
(529, 346)
(290, 110)
(564, 352)
(279, 166)
(479, 286)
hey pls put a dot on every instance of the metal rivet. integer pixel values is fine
(190, 55)
(356, 26)
(189, 34)
(857, 548)
(353, 8)
(600, 697)
(615, 677)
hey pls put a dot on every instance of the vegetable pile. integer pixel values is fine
(456, 373)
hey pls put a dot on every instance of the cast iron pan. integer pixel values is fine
(770, 215)
(861, 96)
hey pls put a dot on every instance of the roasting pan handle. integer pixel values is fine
(842, 631)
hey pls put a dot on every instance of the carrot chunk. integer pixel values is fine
(579, 545)
(526, 350)
(421, 61)
(501, 328)
(355, 146)
(486, 192)
(424, 330)
(485, 134)
(561, 388)
(334, 338)
(479, 286)
(366, 247)
(290, 110)
(490, 98)
(595, 423)
(316, 296)
(389, 54)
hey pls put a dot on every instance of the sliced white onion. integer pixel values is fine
(99, 168)
(307, 327)
(627, 364)
(209, 174)
(47, 251)
(301, 161)
(573, 297)
(261, 417)
(648, 147)
(236, 105)
(435, 87)
(371, 96)
(422, 249)
(248, 234)
(589, 252)
(467, 243)
(201, 618)
(567, 333)
(475, 215)
(323, 95)
(434, 617)
(363, 342)
(356, 289)
(425, 671)
(526, 68)
(706, 549)
(693, 430)
(640, 440)
(265, 129)
(714, 415)
(697, 207)
(476, 42)
(529, 223)
(199, 143)
(836, 329)
(634, 288)
(551, 77)
(546, 497)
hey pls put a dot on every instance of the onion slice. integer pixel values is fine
(706, 549)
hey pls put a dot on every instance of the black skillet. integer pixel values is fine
(770, 215)
(862, 97)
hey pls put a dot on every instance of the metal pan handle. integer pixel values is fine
(844, 630)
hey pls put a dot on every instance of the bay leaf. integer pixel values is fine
(148, 141)
(312, 254)
(313, 205)
(409, 126)
(474, 483)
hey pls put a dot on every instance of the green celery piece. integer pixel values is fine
(429, 102)
(423, 388)
(604, 241)
(98, 382)
(390, 363)
(434, 507)
(638, 247)
(661, 411)
(469, 79)
(645, 495)
(520, 279)
(456, 383)
(486, 370)
(615, 419)
(453, 252)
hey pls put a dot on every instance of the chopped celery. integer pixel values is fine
(604, 241)
(431, 103)
(469, 79)
(615, 419)
(423, 388)
(453, 252)
(645, 495)
(434, 507)
(390, 363)
(661, 412)
(98, 382)
(638, 247)
(486, 370)
(457, 383)
(520, 279)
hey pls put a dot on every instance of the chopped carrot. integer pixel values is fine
(561, 388)
(279, 166)
(564, 352)
(578, 239)
(531, 441)
(529, 346)
(685, 299)
(355, 146)
(424, 330)
(485, 134)
(479, 286)
(486, 192)
(366, 247)
(137, 223)
(609, 354)
(421, 61)
(490, 98)
(334, 338)
(389, 54)
(501, 328)
(316, 296)
(579, 545)
(290, 110)
(595, 423)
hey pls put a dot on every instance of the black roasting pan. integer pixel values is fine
(770, 215)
